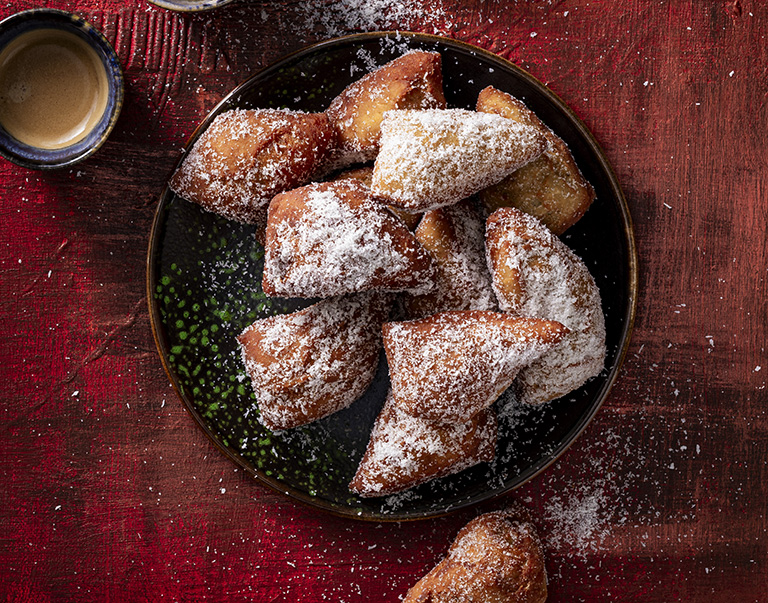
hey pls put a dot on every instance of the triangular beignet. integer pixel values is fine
(497, 557)
(455, 236)
(334, 238)
(536, 274)
(431, 158)
(551, 187)
(411, 81)
(247, 156)
(449, 366)
(405, 451)
(314, 362)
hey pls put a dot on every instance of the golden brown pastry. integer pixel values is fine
(364, 175)
(449, 366)
(551, 187)
(245, 157)
(535, 274)
(405, 451)
(496, 558)
(334, 238)
(455, 236)
(412, 81)
(431, 158)
(309, 364)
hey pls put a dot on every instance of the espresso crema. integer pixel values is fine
(53, 88)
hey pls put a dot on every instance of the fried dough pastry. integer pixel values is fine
(536, 274)
(455, 236)
(334, 238)
(412, 81)
(405, 451)
(496, 558)
(551, 187)
(431, 158)
(245, 157)
(309, 364)
(449, 366)
(364, 175)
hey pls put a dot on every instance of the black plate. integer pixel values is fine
(204, 276)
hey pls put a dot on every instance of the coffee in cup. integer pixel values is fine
(61, 88)
(53, 88)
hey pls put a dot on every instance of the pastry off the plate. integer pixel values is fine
(496, 558)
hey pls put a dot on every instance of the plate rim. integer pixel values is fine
(628, 318)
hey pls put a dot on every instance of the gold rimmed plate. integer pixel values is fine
(204, 288)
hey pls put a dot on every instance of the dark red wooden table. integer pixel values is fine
(110, 492)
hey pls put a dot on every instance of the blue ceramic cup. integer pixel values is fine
(61, 89)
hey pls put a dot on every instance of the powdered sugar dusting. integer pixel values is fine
(580, 518)
(553, 283)
(240, 161)
(411, 81)
(335, 246)
(451, 365)
(342, 16)
(495, 557)
(405, 450)
(431, 158)
(309, 364)
(455, 236)
(587, 510)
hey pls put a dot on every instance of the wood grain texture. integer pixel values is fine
(109, 491)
